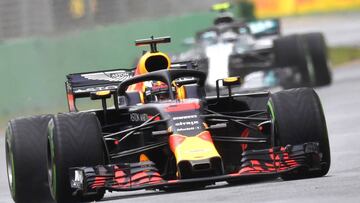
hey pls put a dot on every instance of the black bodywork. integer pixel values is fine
(239, 124)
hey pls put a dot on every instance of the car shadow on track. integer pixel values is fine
(124, 196)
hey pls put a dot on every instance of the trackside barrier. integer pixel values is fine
(32, 71)
(276, 8)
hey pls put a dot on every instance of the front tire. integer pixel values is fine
(74, 139)
(26, 159)
(298, 118)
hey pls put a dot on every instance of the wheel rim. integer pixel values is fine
(10, 165)
(51, 167)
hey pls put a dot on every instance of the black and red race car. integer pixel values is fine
(163, 132)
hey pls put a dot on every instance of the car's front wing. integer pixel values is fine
(144, 175)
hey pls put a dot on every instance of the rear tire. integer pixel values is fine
(318, 53)
(298, 118)
(26, 159)
(74, 140)
(290, 52)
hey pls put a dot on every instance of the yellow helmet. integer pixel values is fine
(150, 62)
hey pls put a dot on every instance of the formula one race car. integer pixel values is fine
(162, 133)
(256, 51)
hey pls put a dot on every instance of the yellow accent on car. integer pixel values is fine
(143, 158)
(181, 92)
(221, 6)
(195, 148)
(103, 93)
(231, 79)
(148, 55)
(142, 99)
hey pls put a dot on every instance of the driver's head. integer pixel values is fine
(149, 62)
(157, 92)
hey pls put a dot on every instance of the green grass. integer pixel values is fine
(341, 55)
(337, 55)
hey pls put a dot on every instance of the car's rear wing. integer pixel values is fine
(80, 85)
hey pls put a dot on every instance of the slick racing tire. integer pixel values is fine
(26, 160)
(290, 52)
(316, 46)
(298, 118)
(74, 139)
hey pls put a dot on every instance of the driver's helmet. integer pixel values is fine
(150, 62)
(156, 91)
(224, 18)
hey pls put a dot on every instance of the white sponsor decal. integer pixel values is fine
(79, 176)
(188, 129)
(184, 117)
(187, 123)
(136, 117)
(112, 76)
(95, 89)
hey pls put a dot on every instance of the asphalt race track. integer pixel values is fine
(339, 28)
(341, 103)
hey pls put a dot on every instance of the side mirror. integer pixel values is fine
(231, 81)
(100, 95)
(227, 82)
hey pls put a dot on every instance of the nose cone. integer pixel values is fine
(195, 156)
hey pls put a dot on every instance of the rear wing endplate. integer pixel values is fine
(82, 84)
